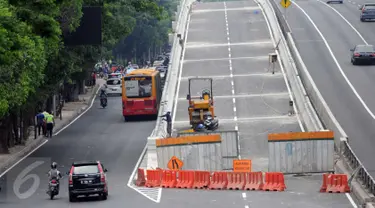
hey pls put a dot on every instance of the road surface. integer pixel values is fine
(100, 134)
(351, 101)
(230, 42)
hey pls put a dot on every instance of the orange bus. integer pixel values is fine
(141, 93)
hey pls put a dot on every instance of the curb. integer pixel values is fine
(38, 141)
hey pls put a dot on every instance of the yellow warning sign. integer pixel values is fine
(285, 3)
(242, 166)
(175, 163)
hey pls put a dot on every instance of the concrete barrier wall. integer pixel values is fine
(196, 152)
(301, 152)
(229, 145)
(170, 86)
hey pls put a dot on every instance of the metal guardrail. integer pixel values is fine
(322, 108)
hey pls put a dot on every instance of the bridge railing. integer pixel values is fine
(322, 109)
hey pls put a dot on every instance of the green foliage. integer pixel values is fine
(33, 59)
(22, 58)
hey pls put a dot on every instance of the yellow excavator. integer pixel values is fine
(201, 108)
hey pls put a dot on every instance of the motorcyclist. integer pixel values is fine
(103, 93)
(54, 174)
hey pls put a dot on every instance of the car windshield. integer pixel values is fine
(138, 87)
(114, 82)
(370, 7)
(365, 48)
(86, 169)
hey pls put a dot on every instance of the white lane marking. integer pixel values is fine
(283, 71)
(148, 192)
(32, 151)
(276, 95)
(230, 63)
(225, 59)
(342, 17)
(245, 120)
(342, 73)
(268, 75)
(206, 45)
(79, 116)
(180, 75)
(244, 195)
(246, 206)
(351, 200)
(337, 63)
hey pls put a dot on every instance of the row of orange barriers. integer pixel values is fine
(272, 181)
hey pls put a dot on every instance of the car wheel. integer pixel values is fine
(126, 119)
(72, 198)
(354, 62)
(341, 2)
(362, 20)
(328, 2)
(104, 196)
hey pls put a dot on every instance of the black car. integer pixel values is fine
(363, 54)
(87, 178)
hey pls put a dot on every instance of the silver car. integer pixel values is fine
(114, 86)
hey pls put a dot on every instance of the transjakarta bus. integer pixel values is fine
(141, 93)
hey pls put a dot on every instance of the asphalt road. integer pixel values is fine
(100, 134)
(248, 97)
(349, 111)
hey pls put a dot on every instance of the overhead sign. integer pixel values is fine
(242, 166)
(285, 3)
(175, 163)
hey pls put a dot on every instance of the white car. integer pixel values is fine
(114, 86)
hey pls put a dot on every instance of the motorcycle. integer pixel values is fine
(211, 123)
(53, 189)
(103, 102)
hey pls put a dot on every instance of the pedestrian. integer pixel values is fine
(45, 113)
(50, 122)
(40, 122)
(93, 76)
(167, 117)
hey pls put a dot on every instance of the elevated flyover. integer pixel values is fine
(230, 42)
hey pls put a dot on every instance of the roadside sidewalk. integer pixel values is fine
(69, 112)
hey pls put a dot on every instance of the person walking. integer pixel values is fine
(40, 122)
(45, 113)
(93, 76)
(50, 122)
(168, 118)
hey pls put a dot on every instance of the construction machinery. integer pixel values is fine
(201, 107)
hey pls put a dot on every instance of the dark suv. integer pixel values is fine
(87, 178)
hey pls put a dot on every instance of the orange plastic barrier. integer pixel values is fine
(219, 181)
(185, 179)
(274, 181)
(254, 181)
(236, 181)
(201, 179)
(153, 178)
(335, 183)
(141, 179)
(169, 179)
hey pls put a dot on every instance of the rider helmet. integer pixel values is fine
(54, 165)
